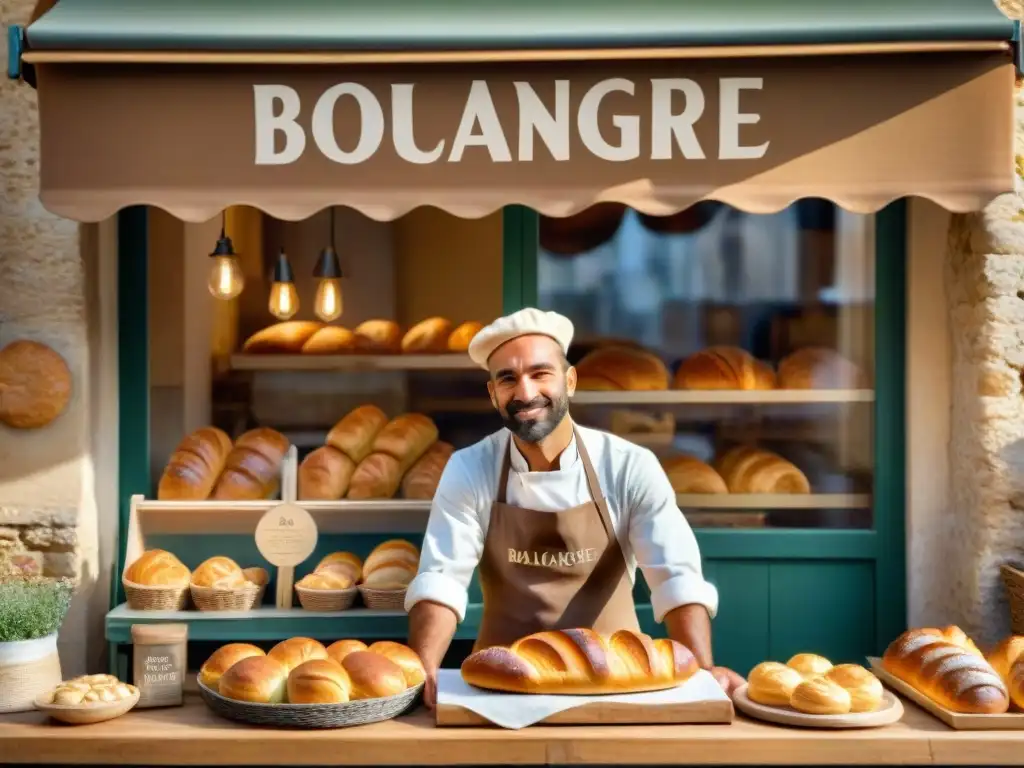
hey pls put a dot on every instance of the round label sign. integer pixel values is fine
(286, 535)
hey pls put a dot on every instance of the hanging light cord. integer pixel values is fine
(223, 223)
(333, 245)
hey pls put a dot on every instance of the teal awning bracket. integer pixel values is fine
(15, 46)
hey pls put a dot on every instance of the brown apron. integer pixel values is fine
(552, 570)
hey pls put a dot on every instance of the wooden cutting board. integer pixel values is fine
(610, 713)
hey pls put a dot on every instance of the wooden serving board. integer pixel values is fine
(609, 713)
(890, 712)
(1011, 721)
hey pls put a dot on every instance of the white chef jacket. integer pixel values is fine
(651, 530)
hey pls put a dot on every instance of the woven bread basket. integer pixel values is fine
(215, 599)
(142, 597)
(326, 599)
(383, 599)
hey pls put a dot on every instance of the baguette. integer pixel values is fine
(253, 468)
(285, 338)
(354, 434)
(376, 477)
(195, 465)
(378, 337)
(420, 482)
(459, 339)
(330, 340)
(406, 438)
(427, 337)
(580, 661)
(325, 474)
(933, 662)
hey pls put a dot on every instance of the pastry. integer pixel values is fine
(329, 577)
(256, 679)
(866, 692)
(91, 689)
(405, 657)
(690, 475)
(354, 434)
(158, 568)
(378, 476)
(724, 368)
(35, 385)
(295, 650)
(957, 679)
(810, 665)
(458, 340)
(253, 467)
(820, 696)
(406, 438)
(195, 465)
(286, 338)
(325, 474)
(772, 684)
(346, 560)
(223, 659)
(330, 340)
(1005, 654)
(580, 661)
(373, 676)
(220, 573)
(427, 337)
(378, 337)
(319, 681)
(621, 368)
(339, 649)
(421, 481)
(746, 469)
(818, 368)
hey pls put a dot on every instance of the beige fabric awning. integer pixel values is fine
(658, 134)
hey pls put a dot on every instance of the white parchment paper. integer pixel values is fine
(518, 710)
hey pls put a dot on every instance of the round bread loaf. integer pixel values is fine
(621, 368)
(223, 659)
(328, 577)
(257, 679)
(158, 568)
(343, 559)
(319, 681)
(220, 572)
(724, 368)
(391, 552)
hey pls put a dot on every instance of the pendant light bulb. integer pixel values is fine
(226, 280)
(284, 298)
(329, 302)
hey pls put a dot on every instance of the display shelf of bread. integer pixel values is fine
(435, 343)
(157, 580)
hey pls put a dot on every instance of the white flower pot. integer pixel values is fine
(28, 668)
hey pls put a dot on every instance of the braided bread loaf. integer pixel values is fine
(581, 661)
(947, 667)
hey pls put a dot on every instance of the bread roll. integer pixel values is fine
(459, 339)
(954, 678)
(690, 475)
(320, 681)
(378, 337)
(746, 469)
(346, 560)
(377, 477)
(325, 474)
(580, 661)
(330, 340)
(406, 438)
(405, 657)
(257, 576)
(724, 368)
(394, 575)
(158, 568)
(295, 650)
(390, 552)
(772, 684)
(257, 679)
(219, 572)
(621, 368)
(223, 659)
(1005, 654)
(339, 649)
(281, 338)
(866, 692)
(354, 434)
(373, 676)
(329, 577)
(195, 465)
(427, 337)
(810, 665)
(421, 481)
(253, 468)
(820, 696)
(818, 368)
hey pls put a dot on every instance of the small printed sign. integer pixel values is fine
(286, 535)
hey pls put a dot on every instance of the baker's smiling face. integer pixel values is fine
(530, 385)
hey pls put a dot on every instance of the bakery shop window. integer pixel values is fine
(739, 347)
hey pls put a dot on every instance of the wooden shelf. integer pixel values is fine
(377, 515)
(773, 500)
(725, 396)
(452, 362)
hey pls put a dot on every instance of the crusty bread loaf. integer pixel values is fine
(406, 438)
(347, 560)
(329, 577)
(746, 469)
(253, 467)
(621, 368)
(690, 475)
(325, 474)
(724, 368)
(330, 340)
(378, 337)
(458, 340)
(223, 659)
(391, 565)
(285, 338)
(580, 661)
(296, 650)
(195, 465)
(319, 681)
(373, 675)
(339, 649)
(354, 434)
(427, 337)
(158, 568)
(954, 678)
(219, 572)
(818, 368)
(377, 477)
(257, 679)
(421, 481)
(35, 384)
(1005, 654)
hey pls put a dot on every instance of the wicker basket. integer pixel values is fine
(215, 599)
(145, 598)
(28, 669)
(383, 599)
(326, 599)
(312, 715)
(1013, 578)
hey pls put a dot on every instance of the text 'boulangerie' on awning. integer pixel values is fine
(657, 129)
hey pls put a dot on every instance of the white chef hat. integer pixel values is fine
(525, 322)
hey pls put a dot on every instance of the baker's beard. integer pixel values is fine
(535, 430)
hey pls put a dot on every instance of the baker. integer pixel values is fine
(556, 516)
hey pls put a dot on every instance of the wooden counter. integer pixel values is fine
(192, 735)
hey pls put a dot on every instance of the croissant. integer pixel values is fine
(580, 661)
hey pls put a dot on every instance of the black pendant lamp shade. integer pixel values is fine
(283, 269)
(328, 267)
(224, 245)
